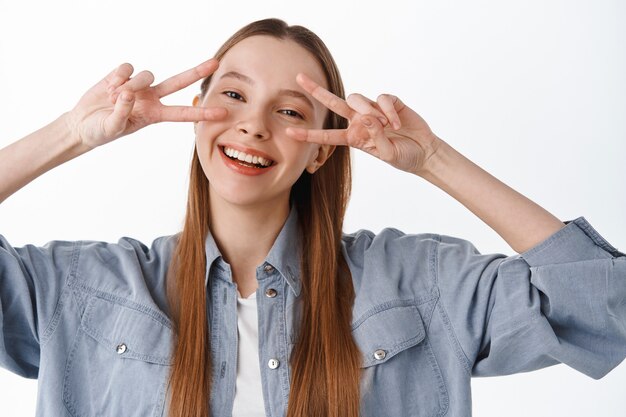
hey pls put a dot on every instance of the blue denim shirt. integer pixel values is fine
(90, 319)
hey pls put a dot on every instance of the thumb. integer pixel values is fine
(115, 123)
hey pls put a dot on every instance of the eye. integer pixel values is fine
(233, 95)
(291, 113)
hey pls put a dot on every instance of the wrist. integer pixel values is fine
(439, 157)
(73, 138)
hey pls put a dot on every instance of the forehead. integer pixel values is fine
(271, 60)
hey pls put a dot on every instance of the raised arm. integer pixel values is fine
(116, 106)
(521, 222)
(391, 131)
(560, 301)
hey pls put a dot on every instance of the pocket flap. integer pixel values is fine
(129, 330)
(389, 330)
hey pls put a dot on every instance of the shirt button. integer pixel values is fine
(271, 292)
(273, 363)
(380, 354)
(121, 348)
(268, 268)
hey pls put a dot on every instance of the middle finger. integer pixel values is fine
(137, 83)
(363, 105)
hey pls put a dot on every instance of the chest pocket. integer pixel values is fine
(119, 360)
(400, 375)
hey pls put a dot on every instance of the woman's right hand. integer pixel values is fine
(119, 105)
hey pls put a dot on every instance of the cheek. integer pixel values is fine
(206, 135)
(208, 131)
(300, 153)
(201, 137)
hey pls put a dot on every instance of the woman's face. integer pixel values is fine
(256, 83)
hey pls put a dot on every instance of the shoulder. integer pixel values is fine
(388, 241)
(406, 256)
(410, 247)
(75, 254)
(127, 248)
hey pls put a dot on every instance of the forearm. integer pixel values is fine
(521, 222)
(24, 160)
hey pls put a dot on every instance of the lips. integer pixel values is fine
(237, 157)
(249, 158)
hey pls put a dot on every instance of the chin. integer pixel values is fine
(240, 197)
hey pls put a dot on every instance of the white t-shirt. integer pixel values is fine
(248, 390)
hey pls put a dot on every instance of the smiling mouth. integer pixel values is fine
(245, 159)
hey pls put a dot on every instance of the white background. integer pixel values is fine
(534, 92)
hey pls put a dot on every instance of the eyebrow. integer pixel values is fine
(239, 76)
(283, 92)
(296, 94)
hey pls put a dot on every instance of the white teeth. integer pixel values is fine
(242, 156)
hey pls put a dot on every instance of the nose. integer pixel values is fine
(253, 126)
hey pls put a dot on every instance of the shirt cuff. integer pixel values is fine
(577, 241)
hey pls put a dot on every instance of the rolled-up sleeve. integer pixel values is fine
(31, 281)
(562, 301)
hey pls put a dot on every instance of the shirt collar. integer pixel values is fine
(284, 255)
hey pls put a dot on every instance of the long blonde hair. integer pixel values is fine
(324, 337)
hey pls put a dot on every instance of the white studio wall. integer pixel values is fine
(534, 92)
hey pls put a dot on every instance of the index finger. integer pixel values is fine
(185, 79)
(191, 114)
(320, 136)
(328, 99)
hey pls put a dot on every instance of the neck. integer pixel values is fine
(245, 234)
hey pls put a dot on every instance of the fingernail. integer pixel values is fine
(366, 121)
(127, 96)
(396, 125)
(383, 120)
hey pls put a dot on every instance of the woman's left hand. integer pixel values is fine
(385, 128)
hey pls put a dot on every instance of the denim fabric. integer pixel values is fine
(90, 319)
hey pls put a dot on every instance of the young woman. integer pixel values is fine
(261, 306)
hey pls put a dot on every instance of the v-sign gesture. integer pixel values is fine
(119, 105)
(116, 106)
(391, 131)
(386, 128)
